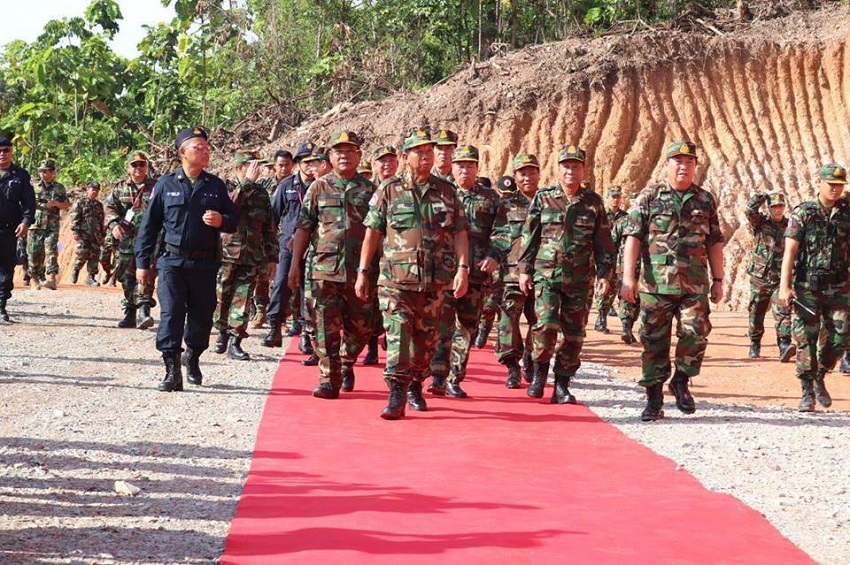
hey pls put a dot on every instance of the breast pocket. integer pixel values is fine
(404, 267)
(551, 223)
(583, 229)
(660, 223)
(699, 222)
(403, 219)
(13, 191)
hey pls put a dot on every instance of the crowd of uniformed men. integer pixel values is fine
(415, 245)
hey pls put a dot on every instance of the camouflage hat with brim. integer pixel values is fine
(47, 165)
(416, 138)
(364, 168)
(776, 199)
(190, 133)
(833, 174)
(137, 157)
(383, 151)
(318, 154)
(506, 184)
(525, 160)
(246, 156)
(465, 153)
(571, 153)
(681, 148)
(615, 190)
(445, 137)
(344, 138)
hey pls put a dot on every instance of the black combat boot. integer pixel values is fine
(394, 409)
(327, 391)
(538, 382)
(234, 349)
(483, 333)
(527, 366)
(807, 400)
(601, 323)
(304, 346)
(294, 329)
(438, 385)
(678, 387)
(221, 341)
(561, 392)
(787, 350)
(453, 389)
(371, 351)
(845, 362)
(75, 275)
(144, 320)
(4, 316)
(129, 320)
(274, 338)
(173, 380)
(755, 349)
(628, 337)
(311, 361)
(347, 380)
(414, 397)
(193, 369)
(821, 394)
(513, 373)
(92, 281)
(654, 403)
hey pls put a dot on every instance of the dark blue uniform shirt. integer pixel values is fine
(286, 205)
(17, 200)
(177, 208)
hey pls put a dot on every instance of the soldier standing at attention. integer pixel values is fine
(566, 243)
(445, 144)
(765, 266)
(331, 223)
(87, 226)
(675, 231)
(43, 235)
(605, 303)
(422, 224)
(17, 211)
(817, 255)
(244, 253)
(191, 207)
(125, 208)
(459, 316)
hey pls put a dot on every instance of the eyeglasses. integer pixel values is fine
(5, 150)
(138, 165)
(199, 148)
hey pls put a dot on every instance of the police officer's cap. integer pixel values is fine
(681, 148)
(304, 150)
(5, 142)
(465, 153)
(833, 174)
(525, 160)
(571, 153)
(506, 184)
(383, 151)
(47, 165)
(137, 157)
(190, 133)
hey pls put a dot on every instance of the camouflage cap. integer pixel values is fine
(190, 133)
(47, 165)
(417, 137)
(304, 150)
(776, 199)
(364, 168)
(571, 153)
(383, 151)
(319, 154)
(445, 137)
(93, 184)
(342, 138)
(506, 184)
(137, 157)
(246, 156)
(525, 160)
(681, 148)
(833, 174)
(615, 190)
(465, 153)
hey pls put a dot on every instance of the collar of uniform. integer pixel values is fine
(669, 188)
(181, 175)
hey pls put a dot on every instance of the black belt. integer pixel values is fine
(192, 254)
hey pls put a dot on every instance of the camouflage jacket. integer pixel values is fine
(47, 218)
(619, 220)
(333, 212)
(419, 223)
(126, 204)
(448, 178)
(676, 232)
(824, 237)
(484, 211)
(769, 242)
(507, 236)
(566, 240)
(269, 183)
(87, 217)
(254, 242)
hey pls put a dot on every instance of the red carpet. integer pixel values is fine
(497, 478)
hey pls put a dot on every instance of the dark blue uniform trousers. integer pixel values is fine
(8, 260)
(186, 298)
(278, 309)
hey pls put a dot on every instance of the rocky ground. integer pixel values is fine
(84, 428)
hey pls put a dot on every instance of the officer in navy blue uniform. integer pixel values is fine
(190, 206)
(17, 210)
(286, 206)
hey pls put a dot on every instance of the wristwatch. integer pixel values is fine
(462, 266)
(716, 279)
(363, 270)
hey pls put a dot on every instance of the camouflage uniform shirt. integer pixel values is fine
(618, 221)
(824, 237)
(508, 235)
(124, 197)
(484, 212)
(47, 218)
(87, 217)
(769, 245)
(255, 240)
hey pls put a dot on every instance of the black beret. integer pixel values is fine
(190, 133)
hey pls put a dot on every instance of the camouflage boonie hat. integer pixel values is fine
(319, 154)
(506, 184)
(571, 153)
(383, 151)
(446, 137)
(47, 165)
(137, 157)
(246, 156)
(364, 168)
(681, 148)
(525, 160)
(776, 199)
(833, 174)
(342, 138)
(417, 137)
(615, 190)
(465, 153)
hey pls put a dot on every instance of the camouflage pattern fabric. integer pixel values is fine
(769, 242)
(87, 223)
(43, 235)
(233, 290)
(832, 320)
(514, 305)
(627, 311)
(560, 314)
(605, 303)
(107, 252)
(47, 218)
(261, 288)
(411, 318)
(492, 302)
(762, 297)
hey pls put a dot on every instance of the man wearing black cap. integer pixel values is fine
(43, 237)
(191, 207)
(286, 206)
(17, 210)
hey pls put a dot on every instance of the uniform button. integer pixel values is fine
(179, 177)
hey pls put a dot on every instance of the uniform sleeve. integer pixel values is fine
(113, 209)
(796, 229)
(27, 199)
(74, 215)
(530, 238)
(270, 239)
(604, 251)
(229, 215)
(461, 221)
(714, 233)
(308, 217)
(500, 237)
(61, 194)
(149, 229)
(638, 216)
(753, 211)
(376, 218)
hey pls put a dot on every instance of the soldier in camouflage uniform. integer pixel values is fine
(629, 311)
(422, 224)
(331, 223)
(459, 316)
(765, 265)
(445, 143)
(674, 229)
(87, 218)
(125, 208)
(493, 297)
(43, 235)
(817, 253)
(566, 242)
(604, 304)
(244, 253)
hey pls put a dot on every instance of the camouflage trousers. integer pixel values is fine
(261, 288)
(628, 311)
(411, 319)
(656, 314)
(343, 324)
(605, 303)
(457, 327)
(511, 343)
(763, 296)
(134, 294)
(43, 253)
(832, 312)
(492, 302)
(234, 287)
(107, 252)
(561, 312)
(87, 252)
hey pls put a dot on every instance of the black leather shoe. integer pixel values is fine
(807, 400)
(654, 403)
(561, 392)
(193, 368)
(326, 391)
(482, 335)
(4, 316)
(394, 409)
(311, 361)
(129, 320)
(75, 275)
(788, 350)
(628, 337)
(845, 362)
(221, 342)
(414, 397)
(347, 380)
(144, 319)
(527, 367)
(601, 323)
(437, 386)
(235, 351)
(538, 382)
(821, 394)
(513, 374)
(304, 346)
(678, 387)
(755, 350)
(454, 390)
(274, 338)
(173, 381)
